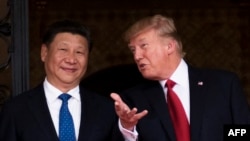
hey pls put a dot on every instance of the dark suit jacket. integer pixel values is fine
(27, 118)
(216, 102)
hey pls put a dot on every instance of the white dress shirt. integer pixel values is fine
(54, 104)
(181, 88)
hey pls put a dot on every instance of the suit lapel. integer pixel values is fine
(38, 107)
(197, 86)
(157, 100)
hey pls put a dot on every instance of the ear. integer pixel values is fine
(171, 46)
(44, 52)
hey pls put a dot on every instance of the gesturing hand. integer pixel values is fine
(128, 117)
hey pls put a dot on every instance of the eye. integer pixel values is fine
(144, 45)
(132, 49)
(63, 49)
(80, 52)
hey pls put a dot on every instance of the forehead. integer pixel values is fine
(70, 40)
(68, 34)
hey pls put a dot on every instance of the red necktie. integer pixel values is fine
(177, 113)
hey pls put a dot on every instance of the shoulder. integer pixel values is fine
(20, 101)
(214, 75)
(211, 72)
(29, 93)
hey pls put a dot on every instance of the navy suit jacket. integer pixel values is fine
(27, 118)
(217, 101)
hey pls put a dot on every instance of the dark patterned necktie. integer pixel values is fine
(66, 124)
(177, 113)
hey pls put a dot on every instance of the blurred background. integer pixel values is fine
(215, 34)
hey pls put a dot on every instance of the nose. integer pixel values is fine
(71, 58)
(137, 55)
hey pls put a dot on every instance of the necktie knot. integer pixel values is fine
(170, 84)
(65, 97)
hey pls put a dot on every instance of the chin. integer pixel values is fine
(150, 76)
(147, 76)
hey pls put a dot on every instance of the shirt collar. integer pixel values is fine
(180, 75)
(52, 92)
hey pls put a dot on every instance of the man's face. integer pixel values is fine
(65, 60)
(150, 53)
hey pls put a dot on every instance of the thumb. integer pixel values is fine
(115, 97)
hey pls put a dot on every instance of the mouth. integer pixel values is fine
(141, 66)
(69, 69)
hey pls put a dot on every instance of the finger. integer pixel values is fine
(133, 116)
(131, 113)
(119, 103)
(115, 97)
(141, 114)
(121, 107)
(117, 106)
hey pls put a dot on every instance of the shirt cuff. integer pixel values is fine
(127, 134)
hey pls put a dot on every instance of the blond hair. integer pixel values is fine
(164, 26)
